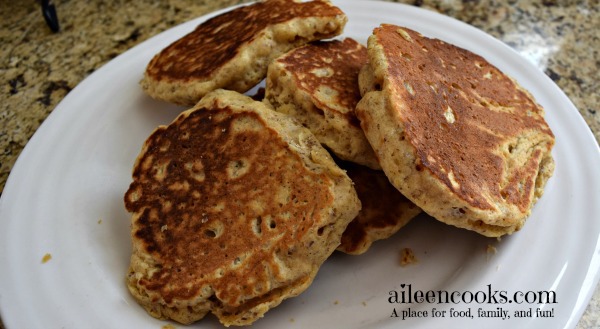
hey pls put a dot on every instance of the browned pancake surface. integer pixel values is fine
(195, 203)
(384, 209)
(458, 109)
(217, 41)
(318, 85)
(334, 64)
(234, 208)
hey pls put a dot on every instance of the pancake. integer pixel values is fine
(232, 50)
(318, 85)
(234, 209)
(384, 209)
(454, 134)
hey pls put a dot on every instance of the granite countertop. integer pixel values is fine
(39, 67)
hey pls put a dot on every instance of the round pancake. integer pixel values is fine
(318, 85)
(234, 208)
(459, 138)
(384, 209)
(233, 50)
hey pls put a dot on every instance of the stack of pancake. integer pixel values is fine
(238, 202)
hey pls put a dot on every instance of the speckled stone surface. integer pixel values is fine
(39, 67)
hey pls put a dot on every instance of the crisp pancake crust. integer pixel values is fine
(318, 85)
(235, 207)
(384, 209)
(460, 139)
(328, 64)
(233, 50)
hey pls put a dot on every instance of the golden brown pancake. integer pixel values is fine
(233, 50)
(384, 209)
(318, 85)
(234, 209)
(455, 135)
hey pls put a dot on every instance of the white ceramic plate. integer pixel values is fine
(64, 198)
